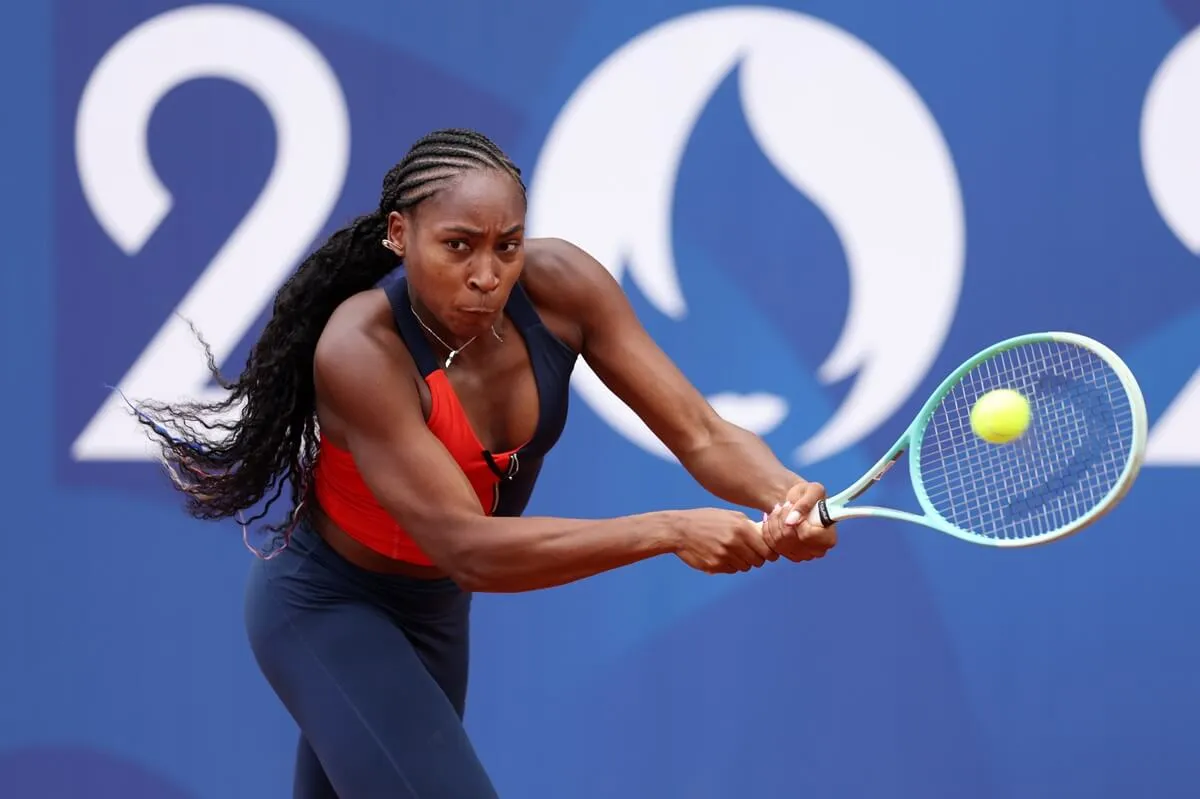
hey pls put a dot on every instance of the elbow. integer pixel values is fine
(472, 582)
(466, 572)
(484, 570)
(473, 576)
(476, 554)
(466, 562)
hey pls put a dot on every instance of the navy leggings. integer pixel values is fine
(373, 668)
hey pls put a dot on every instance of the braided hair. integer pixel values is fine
(267, 421)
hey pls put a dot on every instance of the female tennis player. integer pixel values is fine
(412, 377)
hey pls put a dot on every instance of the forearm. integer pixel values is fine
(508, 555)
(738, 466)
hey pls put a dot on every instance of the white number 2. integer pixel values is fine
(305, 100)
(301, 92)
(1170, 139)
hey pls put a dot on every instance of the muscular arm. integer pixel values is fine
(368, 393)
(728, 461)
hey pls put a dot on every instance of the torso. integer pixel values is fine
(511, 402)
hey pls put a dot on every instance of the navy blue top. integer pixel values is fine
(552, 360)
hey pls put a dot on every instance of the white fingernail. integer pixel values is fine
(792, 518)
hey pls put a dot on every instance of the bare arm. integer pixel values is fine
(728, 461)
(363, 384)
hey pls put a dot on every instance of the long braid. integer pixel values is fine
(273, 439)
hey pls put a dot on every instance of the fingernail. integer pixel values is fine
(776, 508)
(792, 518)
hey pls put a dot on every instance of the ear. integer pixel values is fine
(397, 231)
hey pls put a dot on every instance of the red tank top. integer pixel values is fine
(346, 499)
(503, 482)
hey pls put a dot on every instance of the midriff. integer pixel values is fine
(363, 556)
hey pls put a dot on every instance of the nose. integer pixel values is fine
(485, 279)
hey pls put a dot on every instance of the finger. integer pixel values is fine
(775, 528)
(796, 491)
(786, 539)
(730, 558)
(746, 553)
(803, 506)
(817, 540)
(787, 546)
(805, 552)
(740, 559)
(829, 537)
(765, 529)
(800, 509)
(720, 568)
(767, 535)
(758, 546)
(763, 535)
(817, 531)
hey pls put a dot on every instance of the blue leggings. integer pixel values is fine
(373, 668)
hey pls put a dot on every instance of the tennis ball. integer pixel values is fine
(1000, 416)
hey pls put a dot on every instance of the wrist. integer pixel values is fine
(667, 536)
(777, 491)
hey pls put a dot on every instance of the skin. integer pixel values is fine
(464, 251)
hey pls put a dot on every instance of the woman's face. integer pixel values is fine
(464, 249)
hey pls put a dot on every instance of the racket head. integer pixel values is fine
(1083, 449)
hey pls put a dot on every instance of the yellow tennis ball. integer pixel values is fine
(1000, 416)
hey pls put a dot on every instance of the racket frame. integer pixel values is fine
(836, 508)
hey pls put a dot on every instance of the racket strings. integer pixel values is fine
(1077, 446)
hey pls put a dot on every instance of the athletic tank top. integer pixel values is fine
(503, 481)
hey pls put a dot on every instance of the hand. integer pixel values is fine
(720, 541)
(787, 529)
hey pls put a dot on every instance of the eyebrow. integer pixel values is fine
(470, 231)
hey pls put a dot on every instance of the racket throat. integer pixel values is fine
(879, 473)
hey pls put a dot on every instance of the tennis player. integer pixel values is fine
(410, 381)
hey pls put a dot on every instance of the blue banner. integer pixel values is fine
(818, 209)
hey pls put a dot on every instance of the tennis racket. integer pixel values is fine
(1077, 459)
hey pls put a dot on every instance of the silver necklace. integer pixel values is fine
(453, 352)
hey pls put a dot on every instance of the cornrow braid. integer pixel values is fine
(272, 440)
(438, 158)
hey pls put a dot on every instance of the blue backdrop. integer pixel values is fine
(818, 208)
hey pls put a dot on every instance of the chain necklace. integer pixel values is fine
(453, 352)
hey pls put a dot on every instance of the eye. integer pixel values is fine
(510, 246)
(457, 245)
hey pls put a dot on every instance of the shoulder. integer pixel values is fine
(362, 322)
(360, 351)
(569, 287)
(558, 266)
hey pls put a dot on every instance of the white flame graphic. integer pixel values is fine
(838, 122)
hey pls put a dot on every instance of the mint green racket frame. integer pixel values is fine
(838, 508)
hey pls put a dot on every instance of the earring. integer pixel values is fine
(389, 245)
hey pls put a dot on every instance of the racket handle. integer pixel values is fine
(816, 517)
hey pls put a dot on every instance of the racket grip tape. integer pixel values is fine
(819, 515)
